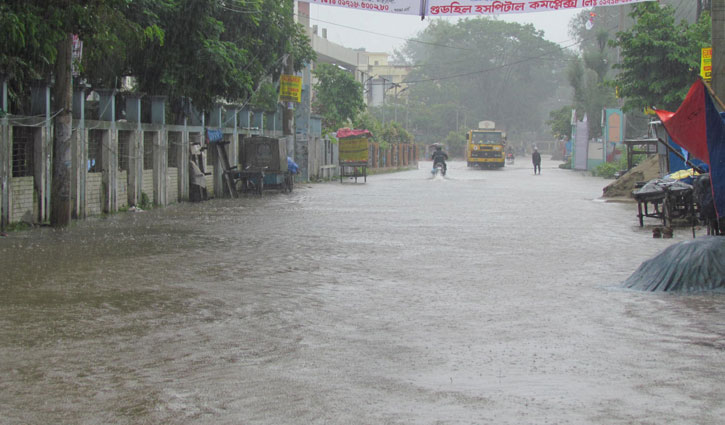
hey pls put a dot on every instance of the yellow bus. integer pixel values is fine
(486, 147)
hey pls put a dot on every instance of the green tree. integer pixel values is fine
(560, 122)
(480, 69)
(366, 121)
(588, 72)
(394, 133)
(338, 97)
(455, 142)
(660, 59)
(216, 50)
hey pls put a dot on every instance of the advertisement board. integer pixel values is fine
(290, 88)
(354, 150)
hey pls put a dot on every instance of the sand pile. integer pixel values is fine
(622, 187)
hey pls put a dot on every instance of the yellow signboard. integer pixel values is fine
(354, 149)
(290, 88)
(706, 64)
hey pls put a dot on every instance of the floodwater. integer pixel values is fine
(487, 297)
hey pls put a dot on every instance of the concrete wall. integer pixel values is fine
(93, 193)
(22, 198)
(122, 190)
(148, 184)
(172, 185)
(131, 157)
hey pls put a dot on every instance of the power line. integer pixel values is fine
(495, 68)
(390, 36)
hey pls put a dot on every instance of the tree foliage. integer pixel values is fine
(455, 142)
(560, 122)
(204, 50)
(588, 72)
(480, 69)
(30, 31)
(338, 97)
(660, 58)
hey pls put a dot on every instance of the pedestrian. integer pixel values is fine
(536, 159)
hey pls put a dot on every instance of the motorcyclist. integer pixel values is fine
(440, 157)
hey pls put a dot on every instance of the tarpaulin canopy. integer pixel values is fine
(687, 266)
(467, 7)
(700, 128)
(347, 132)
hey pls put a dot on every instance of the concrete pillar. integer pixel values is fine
(79, 154)
(133, 108)
(107, 104)
(42, 148)
(6, 152)
(195, 118)
(232, 121)
(109, 144)
(160, 149)
(135, 167)
(215, 122)
(158, 110)
(183, 163)
(161, 159)
(109, 167)
(244, 118)
(258, 120)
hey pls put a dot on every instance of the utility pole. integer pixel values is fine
(60, 199)
(718, 48)
(288, 113)
(396, 102)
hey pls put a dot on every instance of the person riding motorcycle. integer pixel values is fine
(440, 157)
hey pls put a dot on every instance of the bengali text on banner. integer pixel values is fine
(468, 7)
(402, 7)
(499, 7)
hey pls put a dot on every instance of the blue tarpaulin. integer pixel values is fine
(214, 135)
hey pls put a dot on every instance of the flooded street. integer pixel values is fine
(491, 296)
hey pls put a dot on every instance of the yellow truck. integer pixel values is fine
(486, 146)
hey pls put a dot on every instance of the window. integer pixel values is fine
(148, 150)
(22, 151)
(173, 150)
(95, 151)
(124, 141)
(486, 137)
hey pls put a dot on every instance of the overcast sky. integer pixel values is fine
(384, 32)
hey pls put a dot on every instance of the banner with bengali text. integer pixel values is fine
(468, 7)
(402, 7)
(500, 7)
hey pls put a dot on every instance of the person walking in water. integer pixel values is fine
(536, 159)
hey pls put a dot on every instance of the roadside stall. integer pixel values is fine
(354, 151)
(265, 166)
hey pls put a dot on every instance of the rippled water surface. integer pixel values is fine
(485, 297)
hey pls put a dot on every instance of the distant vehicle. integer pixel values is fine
(486, 146)
(510, 158)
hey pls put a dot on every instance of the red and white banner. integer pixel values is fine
(467, 7)
(499, 7)
(402, 7)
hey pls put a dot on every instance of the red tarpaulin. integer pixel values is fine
(346, 132)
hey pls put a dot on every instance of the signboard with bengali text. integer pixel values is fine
(468, 7)
(354, 150)
(401, 7)
(706, 64)
(290, 88)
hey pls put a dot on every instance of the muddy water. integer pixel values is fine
(487, 297)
